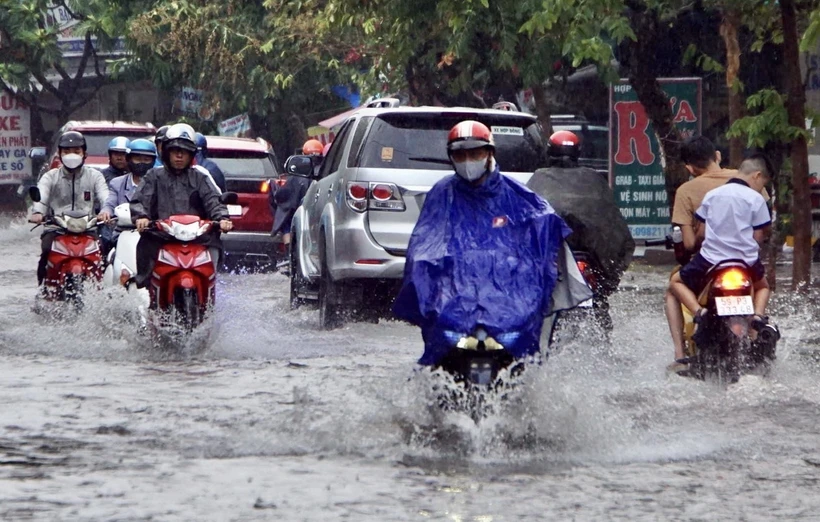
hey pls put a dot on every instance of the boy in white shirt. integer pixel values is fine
(732, 223)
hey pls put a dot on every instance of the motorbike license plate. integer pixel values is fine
(234, 210)
(734, 305)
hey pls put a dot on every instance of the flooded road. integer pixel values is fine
(276, 420)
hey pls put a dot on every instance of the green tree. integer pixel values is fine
(32, 63)
(275, 59)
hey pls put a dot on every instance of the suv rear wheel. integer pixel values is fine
(330, 316)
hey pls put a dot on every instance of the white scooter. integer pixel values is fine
(122, 259)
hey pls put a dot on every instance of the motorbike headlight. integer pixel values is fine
(76, 225)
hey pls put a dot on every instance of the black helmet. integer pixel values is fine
(71, 139)
(159, 137)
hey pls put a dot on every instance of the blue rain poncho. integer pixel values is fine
(485, 256)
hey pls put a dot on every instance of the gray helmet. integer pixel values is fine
(71, 139)
(159, 137)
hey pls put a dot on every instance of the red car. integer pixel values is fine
(250, 166)
(97, 136)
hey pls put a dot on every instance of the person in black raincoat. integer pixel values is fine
(287, 198)
(174, 188)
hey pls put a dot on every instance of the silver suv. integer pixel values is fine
(350, 236)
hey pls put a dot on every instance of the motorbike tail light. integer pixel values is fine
(586, 271)
(264, 187)
(385, 196)
(733, 279)
(357, 196)
(187, 282)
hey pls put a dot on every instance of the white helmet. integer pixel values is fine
(180, 136)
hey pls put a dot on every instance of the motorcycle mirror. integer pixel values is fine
(299, 166)
(37, 153)
(34, 194)
(229, 198)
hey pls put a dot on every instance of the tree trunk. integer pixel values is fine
(643, 78)
(795, 105)
(728, 31)
(542, 109)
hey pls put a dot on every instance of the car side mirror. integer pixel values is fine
(229, 198)
(299, 166)
(34, 194)
(37, 153)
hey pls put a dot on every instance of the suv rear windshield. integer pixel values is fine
(244, 164)
(97, 143)
(410, 141)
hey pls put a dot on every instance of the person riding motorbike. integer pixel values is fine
(600, 234)
(484, 253)
(117, 165)
(72, 186)
(201, 158)
(159, 139)
(732, 224)
(702, 161)
(140, 158)
(287, 198)
(175, 188)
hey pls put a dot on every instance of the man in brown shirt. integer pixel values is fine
(703, 162)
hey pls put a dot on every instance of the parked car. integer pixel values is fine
(250, 166)
(351, 233)
(594, 141)
(97, 136)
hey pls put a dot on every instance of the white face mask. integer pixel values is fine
(72, 161)
(471, 170)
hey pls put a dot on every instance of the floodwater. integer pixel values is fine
(276, 420)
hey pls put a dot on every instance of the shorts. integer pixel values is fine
(694, 273)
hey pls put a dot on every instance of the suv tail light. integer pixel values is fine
(374, 196)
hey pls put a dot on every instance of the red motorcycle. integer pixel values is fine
(74, 258)
(183, 282)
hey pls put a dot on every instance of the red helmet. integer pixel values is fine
(312, 147)
(470, 134)
(564, 143)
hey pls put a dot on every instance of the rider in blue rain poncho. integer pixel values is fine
(485, 252)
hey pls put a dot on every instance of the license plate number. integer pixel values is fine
(234, 210)
(734, 305)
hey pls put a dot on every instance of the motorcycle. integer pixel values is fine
(74, 258)
(121, 264)
(183, 283)
(571, 324)
(726, 342)
(475, 362)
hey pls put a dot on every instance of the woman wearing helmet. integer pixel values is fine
(174, 188)
(117, 149)
(484, 252)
